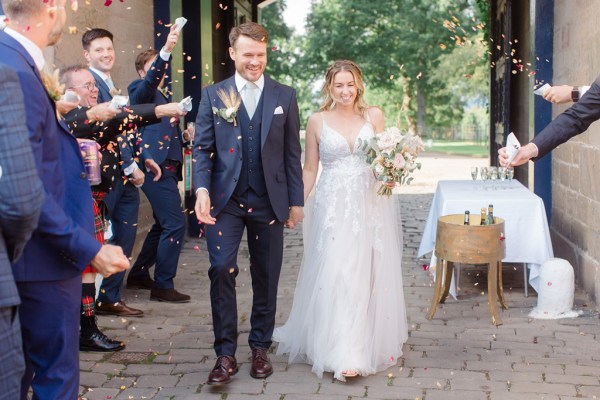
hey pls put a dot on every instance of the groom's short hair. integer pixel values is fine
(17, 9)
(251, 29)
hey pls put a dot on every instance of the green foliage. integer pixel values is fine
(430, 48)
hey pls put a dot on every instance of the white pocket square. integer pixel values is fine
(278, 110)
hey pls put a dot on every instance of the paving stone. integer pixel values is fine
(458, 354)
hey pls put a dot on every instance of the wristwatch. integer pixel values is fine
(575, 94)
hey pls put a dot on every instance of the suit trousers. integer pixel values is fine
(163, 244)
(123, 204)
(265, 243)
(12, 364)
(49, 315)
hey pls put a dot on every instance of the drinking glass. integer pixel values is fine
(510, 173)
(485, 175)
(502, 173)
(474, 171)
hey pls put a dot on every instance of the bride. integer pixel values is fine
(348, 315)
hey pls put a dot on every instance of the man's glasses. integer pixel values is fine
(88, 86)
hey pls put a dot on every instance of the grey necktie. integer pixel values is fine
(109, 83)
(251, 94)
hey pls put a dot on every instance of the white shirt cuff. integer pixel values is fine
(131, 169)
(582, 90)
(165, 55)
(202, 188)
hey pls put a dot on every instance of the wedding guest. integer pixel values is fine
(124, 201)
(48, 275)
(164, 141)
(575, 120)
(106, 125)
(247, 176)
(21, 197)
(348, 316)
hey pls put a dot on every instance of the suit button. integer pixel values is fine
(235, 179)
(250, 171)
(251, 138)
(250, 127)
(250, 149)
(240, 158)
(250, 160)
(82, 175)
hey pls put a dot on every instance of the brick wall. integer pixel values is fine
(575, 164)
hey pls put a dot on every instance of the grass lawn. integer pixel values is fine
(460, 148)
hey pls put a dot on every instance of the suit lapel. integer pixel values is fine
(270, 96)
(102, 87)
(237, 130)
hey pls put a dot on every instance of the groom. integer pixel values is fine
(247, 174)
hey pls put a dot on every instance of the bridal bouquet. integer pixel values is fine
(392, 157)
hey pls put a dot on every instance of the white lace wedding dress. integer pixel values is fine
(348, 311)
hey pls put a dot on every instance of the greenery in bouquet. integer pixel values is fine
(392, 156)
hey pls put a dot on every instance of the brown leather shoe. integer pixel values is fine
(168, 296)
(261, 365)
(145, 283)
(224, 369)
(119, 309)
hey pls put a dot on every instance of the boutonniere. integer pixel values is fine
(115, 92)
(52, 84)
(232, 101)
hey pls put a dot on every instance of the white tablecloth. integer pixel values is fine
(525, 228)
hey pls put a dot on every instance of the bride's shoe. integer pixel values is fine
(349, 373)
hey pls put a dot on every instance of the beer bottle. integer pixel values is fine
(467, 218)
(483, 217)
(490, 215)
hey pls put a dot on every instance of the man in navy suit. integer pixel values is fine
(21, 197)
(48, 275)
(164, 142)
(575, 120)
(247, 175)
(124, 201)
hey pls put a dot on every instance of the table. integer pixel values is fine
(526, 227)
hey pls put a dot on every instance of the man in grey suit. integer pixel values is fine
(21, 195)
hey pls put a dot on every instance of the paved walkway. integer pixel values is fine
(457, 355)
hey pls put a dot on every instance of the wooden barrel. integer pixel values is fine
(469, 244)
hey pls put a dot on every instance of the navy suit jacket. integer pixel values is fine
(21, 191)
(126, 149)
(575, 120)
(64, 243)
(156, 138)
(218, 148)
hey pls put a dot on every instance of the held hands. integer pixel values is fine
(296, 216)
(559, 94)
(110, 260)
(171, 40)
(202, 208)
(153, 167)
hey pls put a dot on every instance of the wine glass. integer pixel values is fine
(485, 175)
(474, 171)
(502, 173)
(510, 173)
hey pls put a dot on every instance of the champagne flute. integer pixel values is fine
(510, 173)
(474, 171)
(485, 175)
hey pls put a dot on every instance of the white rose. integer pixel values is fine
(399, 161)
(229, 112)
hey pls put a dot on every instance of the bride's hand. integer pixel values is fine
(296, 216)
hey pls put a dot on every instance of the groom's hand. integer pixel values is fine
(296, 216)
(202, 208)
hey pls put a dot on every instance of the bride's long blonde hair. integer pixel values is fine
(344, 65)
